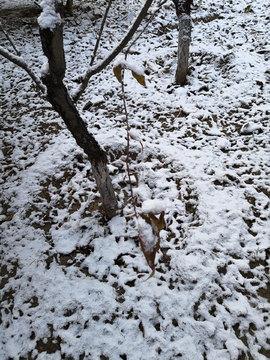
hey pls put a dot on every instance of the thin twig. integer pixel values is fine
(128, 141)
(9, 39)
(37, 5)
(100, 32)
(112, 55)
(147, 23)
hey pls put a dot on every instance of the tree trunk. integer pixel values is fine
(57, 94)
(68, 7)
(184, 37)
(64, 9)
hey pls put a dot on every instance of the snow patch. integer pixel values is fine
(49, 19)
(154, 206)
(128, 64)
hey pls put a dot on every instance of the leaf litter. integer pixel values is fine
(72, 283)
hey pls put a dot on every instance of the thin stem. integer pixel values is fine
(128, 141)
(100, 32)
(36, 3)
(10, 40)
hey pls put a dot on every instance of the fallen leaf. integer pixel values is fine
(8, 218)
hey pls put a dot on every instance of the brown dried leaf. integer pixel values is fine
(8, 218)
(156, 224)
(149, 255)
(118, 72)
(139, 78)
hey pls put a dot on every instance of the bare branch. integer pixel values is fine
(36, 3)
(10, 40)
(18, 60)
(99, 67)
(147, 23)
(100, 31)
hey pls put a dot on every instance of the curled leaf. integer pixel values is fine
(123, 63)
(149, 227)
(8, 218)
(118, 72)
(139, 78)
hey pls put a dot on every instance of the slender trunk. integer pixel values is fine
(57, 94)
(184, 38)
(68, 7)
(183, 48)
(64, 9)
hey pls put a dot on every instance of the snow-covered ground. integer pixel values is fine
(72, 284)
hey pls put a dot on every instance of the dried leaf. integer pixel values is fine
(48, 218)
(118, 72)
(159, 223)
(8, 218)
(136, 178)
(149, 254)
(151, 275)
(156, 224)
(139, 78)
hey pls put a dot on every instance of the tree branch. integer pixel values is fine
(10, 40)
(147, 23)
(99, 67)
(18, 60)
(100, 32)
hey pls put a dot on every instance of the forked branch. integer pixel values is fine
(99, 67)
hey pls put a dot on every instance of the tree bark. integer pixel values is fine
(57, 94)
(184, 37)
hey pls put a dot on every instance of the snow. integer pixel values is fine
(48, 18)
(44, 69)
(128, 64)
(135, 135)
(146, 234)
(250, 128)
(153, 205)
(73, 282)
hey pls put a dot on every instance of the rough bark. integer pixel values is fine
(57, 94)
(184, 37)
